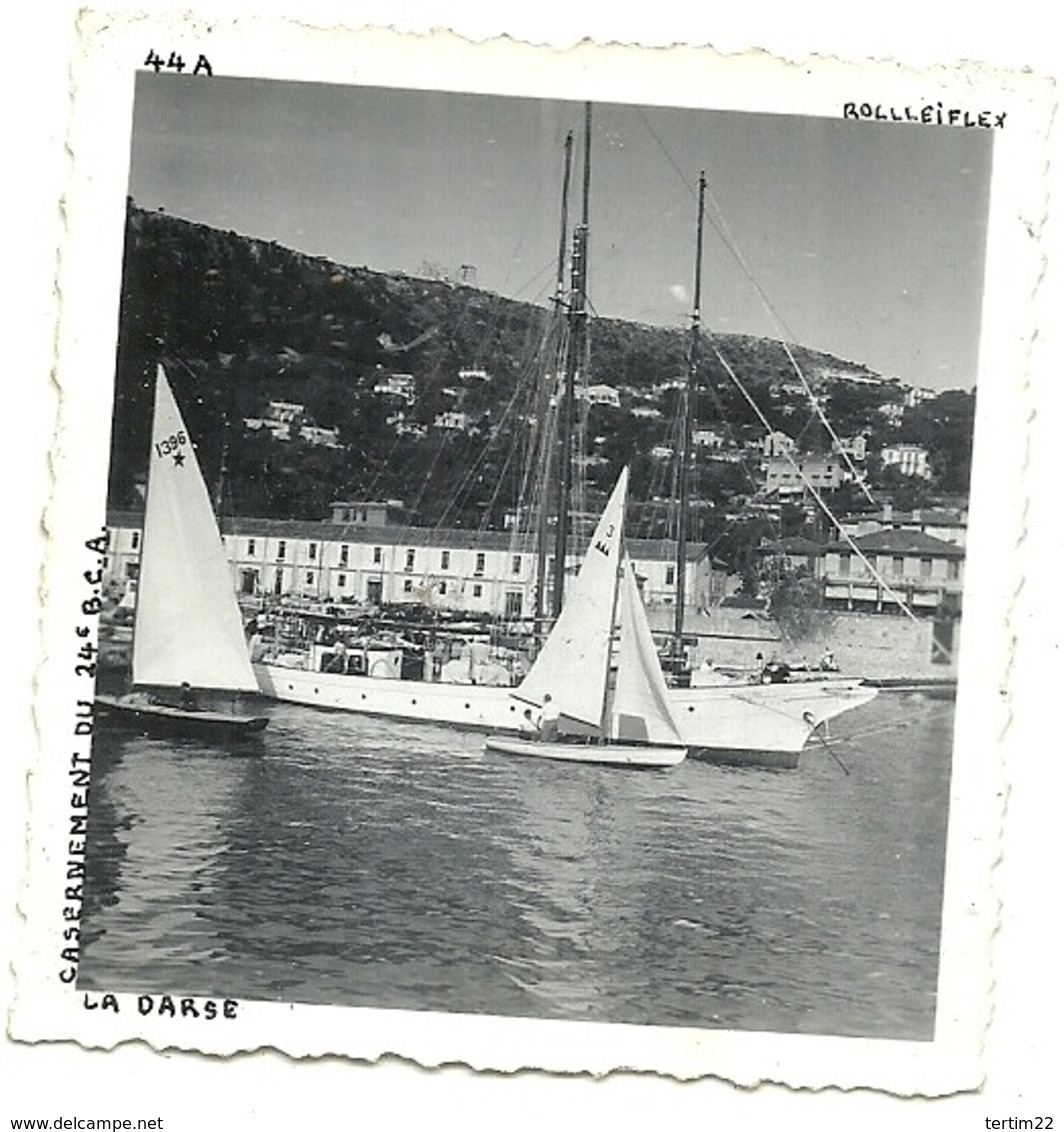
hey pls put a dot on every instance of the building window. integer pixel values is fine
(478, 589)
(310, 577)
(282, 547)
(515, 565)
(312, 551)
(410, 560)
(408, 586)
(443, 588)
(445, 560)
(897, 564)
(954, 569)
(251, 546)
(132, 569)
(670, 575)
(134, 540)
(341, 581)
(479, 569)
(925, 567)
(377, 555)
(344, 551)
(513, 603)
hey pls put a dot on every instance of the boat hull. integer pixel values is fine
(149, 718)
(752, 723)
(599, 754)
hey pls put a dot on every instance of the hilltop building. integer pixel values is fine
(909, 459)
(396, 385)
(286, 420)
(792, 475)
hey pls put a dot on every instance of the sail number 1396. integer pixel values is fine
(170, 444)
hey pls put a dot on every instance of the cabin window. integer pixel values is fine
(282, 548)
(362, 515)
(312, 551)
(344, 552)
(515, 565)
(480, 562)
(844, 563)
(897, 564)
(925, 567)
(251, 546)
(445, 560)
(134, 540)
(478, 589)
(670, 575)
(377, 555)
(410, 560)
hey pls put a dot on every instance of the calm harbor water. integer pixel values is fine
(352, 862)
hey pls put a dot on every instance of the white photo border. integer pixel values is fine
(112, 50)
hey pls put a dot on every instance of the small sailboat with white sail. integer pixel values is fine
(188, 640)
(626, 721)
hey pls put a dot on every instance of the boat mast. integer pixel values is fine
(577, 330)
(685, 437)
(543, 407)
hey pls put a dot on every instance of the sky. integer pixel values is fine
(863, 240)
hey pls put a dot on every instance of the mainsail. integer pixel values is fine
(640, 711)
(573, 665)
(187, 620)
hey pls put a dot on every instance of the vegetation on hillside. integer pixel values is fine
(240, 323)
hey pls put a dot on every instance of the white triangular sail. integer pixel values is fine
(574, 662)
(187, 621)
(640, 709)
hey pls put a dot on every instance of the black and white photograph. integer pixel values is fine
(527, 575)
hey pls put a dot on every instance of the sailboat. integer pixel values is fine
(754, 724)
(187, 632)
(628, 724)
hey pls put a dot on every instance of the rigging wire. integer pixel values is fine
(720, 225)
(814, 492)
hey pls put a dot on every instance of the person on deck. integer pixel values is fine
(187, 699)
(548, 719)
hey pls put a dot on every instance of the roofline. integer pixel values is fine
(397, 534)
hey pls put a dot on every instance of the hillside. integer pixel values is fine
(240, 323)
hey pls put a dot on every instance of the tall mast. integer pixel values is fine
(685, 434)
(577, 329)
(543, 407)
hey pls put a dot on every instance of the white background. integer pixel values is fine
(268, 1092)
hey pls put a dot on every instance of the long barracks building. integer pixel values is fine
(485, 572)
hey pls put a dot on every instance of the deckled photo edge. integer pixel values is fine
(47, 1008)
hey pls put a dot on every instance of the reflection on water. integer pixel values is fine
(346, 861)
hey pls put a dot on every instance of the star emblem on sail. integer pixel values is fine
(188, 623)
